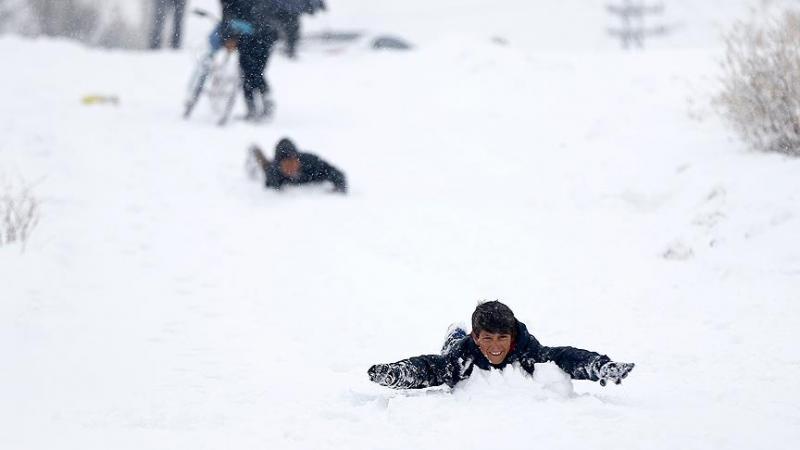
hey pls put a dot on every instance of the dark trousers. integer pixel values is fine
(254, 51)
(161, 10)
(290, 23)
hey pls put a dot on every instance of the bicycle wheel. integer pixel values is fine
(197, 82)
(223, 87)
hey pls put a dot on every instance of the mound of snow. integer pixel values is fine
(514, 384)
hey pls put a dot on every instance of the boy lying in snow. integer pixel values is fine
(293, 167)
(497, 340)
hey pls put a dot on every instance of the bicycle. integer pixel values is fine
(215, 77)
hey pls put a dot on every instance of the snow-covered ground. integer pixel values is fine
(165, 301)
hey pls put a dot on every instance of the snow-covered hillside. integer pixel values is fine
(167, 301)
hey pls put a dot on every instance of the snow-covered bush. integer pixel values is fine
(19, 214)
(760, 97)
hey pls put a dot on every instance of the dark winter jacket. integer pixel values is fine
(263, 10)
(312, 170)
(299, 6)
(457, 364)
(261, 14)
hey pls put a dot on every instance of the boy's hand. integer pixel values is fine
(613, 372)
(383, 374)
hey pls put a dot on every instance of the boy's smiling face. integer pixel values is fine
(494, 346)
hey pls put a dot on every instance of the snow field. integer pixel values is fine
(166, 301)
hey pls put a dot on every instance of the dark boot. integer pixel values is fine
(252, 112)
(268, 106)
(455, 333)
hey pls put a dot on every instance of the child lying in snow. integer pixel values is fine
(291, 166)
(497, 340)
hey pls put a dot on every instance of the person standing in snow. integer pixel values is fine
(497, 340)
(160, 11)
(293, 167)
(250, 26)
(288, 14)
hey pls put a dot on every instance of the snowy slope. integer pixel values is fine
(542, 25)
(166, 301)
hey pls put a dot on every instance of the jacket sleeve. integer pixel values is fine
(423, 371)
(578, 363)
(326, 172)
(228, 11)
(273, 178)
(336, 177)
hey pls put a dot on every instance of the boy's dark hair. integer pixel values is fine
(494, 317)
(285, 150)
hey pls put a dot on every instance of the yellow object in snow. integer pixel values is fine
(100, 99)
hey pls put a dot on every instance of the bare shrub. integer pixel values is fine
(19, 214)
(760, 97)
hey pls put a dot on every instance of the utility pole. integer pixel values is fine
(633, 30)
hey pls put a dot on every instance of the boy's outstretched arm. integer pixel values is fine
(336, 177)
(586, 365)
(272, 177)
(412, 373)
